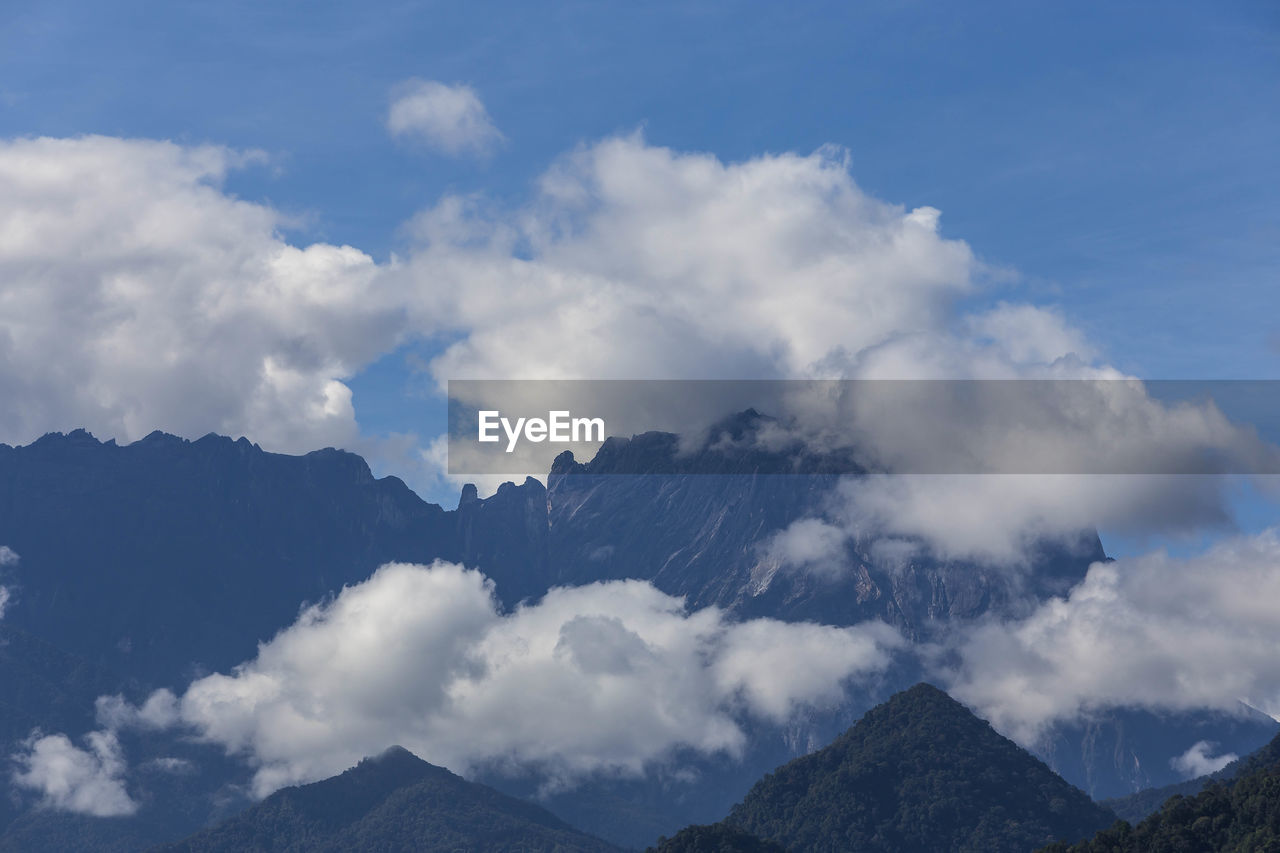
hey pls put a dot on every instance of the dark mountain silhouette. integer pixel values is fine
(165, 557)
(1239, 815)
(395, 801)
(917, 774)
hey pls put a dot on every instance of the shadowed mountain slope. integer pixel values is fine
(917, 774)
(395, 801)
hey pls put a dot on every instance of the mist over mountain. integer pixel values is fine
(699, 528)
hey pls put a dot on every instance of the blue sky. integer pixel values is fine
(1120, 157)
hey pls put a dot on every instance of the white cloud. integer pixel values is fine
(85, 781)
(451, 119)
(609, 677)
(1197, 760)
(8, 557)
(1152, 632)
(136, 295)
(635, 261)
(807, 544)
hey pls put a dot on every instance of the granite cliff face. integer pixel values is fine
(696, 528)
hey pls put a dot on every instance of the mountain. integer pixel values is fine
(145, 565)
(1119, 752)
(165, 558)
(395, 801)
(1237, 816)
(715, 838)
(918, 774)
(694, 523)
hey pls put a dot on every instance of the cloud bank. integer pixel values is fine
(1153, 632)
(136, 294)
(607, 678)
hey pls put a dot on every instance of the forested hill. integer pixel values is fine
(918, 774)
(395, 801)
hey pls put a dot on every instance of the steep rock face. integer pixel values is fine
(1122, 751)
(697, 523)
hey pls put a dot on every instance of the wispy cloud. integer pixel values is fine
(450, 119)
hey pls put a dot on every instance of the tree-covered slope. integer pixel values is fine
(395, 801)
(919, 773)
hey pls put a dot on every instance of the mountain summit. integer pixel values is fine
(394, 801)
(918, 774)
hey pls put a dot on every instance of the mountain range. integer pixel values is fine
(147, 565)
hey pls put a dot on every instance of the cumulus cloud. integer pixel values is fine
(136, 295)
(69, 778)
(610, 677)
(1154, 632)
(1197, 760)
(636, 261)
(451, 119)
